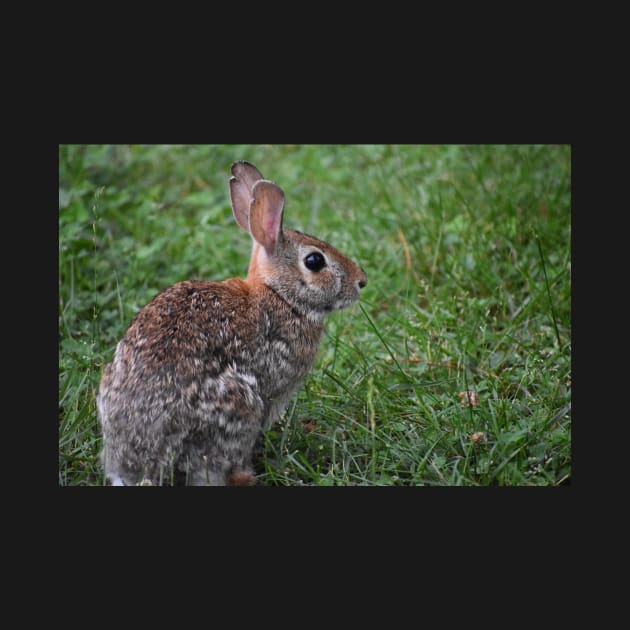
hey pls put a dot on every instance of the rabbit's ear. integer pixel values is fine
(265, 218)
(246, 172)
(245, 175)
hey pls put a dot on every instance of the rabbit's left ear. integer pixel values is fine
(265, 215)
(244, 176)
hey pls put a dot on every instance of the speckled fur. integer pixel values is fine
(206, 366)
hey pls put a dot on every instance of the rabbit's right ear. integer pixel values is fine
(244, 176)
(265, 219)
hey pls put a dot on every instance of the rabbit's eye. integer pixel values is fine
(315, 262)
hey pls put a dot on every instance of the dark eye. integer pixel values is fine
(315, 262)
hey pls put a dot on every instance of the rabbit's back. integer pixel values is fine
(194, 331)
(202, 362)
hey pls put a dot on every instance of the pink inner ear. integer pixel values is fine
(266, 214)
(272, 224)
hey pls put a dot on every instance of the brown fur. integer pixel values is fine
(241, 478)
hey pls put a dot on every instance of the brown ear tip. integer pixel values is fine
(266, 184)
(269, 190)
(240, 163)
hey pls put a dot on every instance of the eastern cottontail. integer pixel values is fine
(206, 366)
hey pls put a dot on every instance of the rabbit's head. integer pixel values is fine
(309, 274)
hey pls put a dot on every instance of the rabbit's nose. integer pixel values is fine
(362, 279)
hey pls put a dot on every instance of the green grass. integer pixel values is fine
(468, 255)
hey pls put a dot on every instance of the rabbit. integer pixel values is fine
(205, 367)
